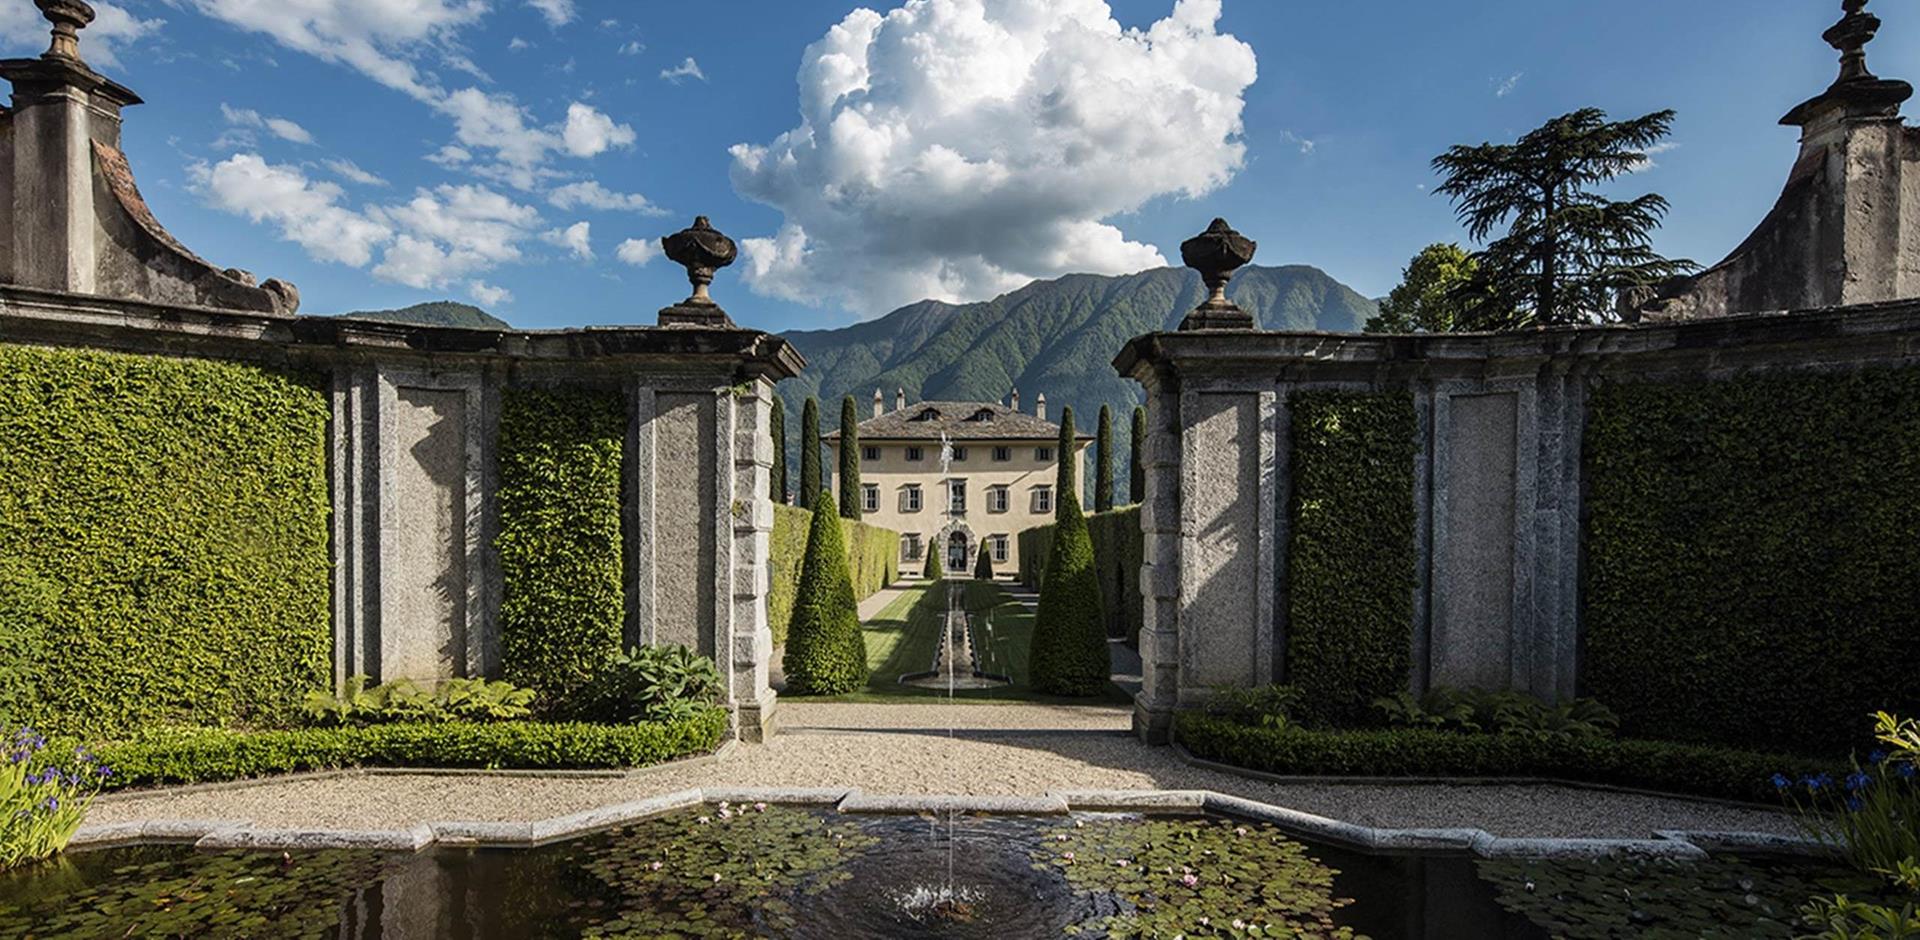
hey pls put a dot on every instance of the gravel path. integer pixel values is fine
(912, 759)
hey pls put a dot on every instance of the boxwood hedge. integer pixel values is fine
(201, 755)
(169, 518)
(1667, 766)
(1752, 572)
(562, 606)
(1118, 550)
(1350, 561)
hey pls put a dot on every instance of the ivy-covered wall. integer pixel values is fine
(1350, 561)
(873, 554)
(563, 603)
(164, 526)
(1753, 556)
(1118, 549)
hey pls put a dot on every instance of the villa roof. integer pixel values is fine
(960, 421)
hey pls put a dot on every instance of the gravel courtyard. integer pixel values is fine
(992, 750)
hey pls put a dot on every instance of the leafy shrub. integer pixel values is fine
(826, 652)
(1699, 770)
(41, 803)
(936, 569)
(179, 508)
(983, 566)
(655, 683)
(402, 701)
(1842, 918)
(1266, 706)
(1350, 562)
(1750, 567)
(1067, 652)
(200, 755)
(1478, 711)
(1119, 548)
(563, 604)
(27, 603)
(849, 446)
(873, 560)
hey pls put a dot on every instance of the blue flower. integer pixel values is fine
(1780, 782)
(1904, 769)
(1855, 804)
(1876, 757)
(53, 804)
(1817, 783)
(1857, 780)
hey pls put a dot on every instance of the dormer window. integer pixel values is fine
(927, 414)
(984, 414)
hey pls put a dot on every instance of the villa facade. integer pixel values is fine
(1000, 482)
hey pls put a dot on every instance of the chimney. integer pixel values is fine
(1040, 406)
(899, 399)
(1015, 407)
(879, 404)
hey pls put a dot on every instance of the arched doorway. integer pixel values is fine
(957, 553)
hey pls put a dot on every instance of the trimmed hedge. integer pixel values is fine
(1752, 572)
(563, 601)
(178, 509)
(1119, 549)
(205, 755)
(1350, 562)
(873, 557)
(1671, 767)
(826, 654)
(1067, 653)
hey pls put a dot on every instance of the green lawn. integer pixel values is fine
(902, 637)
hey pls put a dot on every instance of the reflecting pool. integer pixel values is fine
(773, 871)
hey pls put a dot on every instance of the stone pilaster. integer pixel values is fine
(752, 533)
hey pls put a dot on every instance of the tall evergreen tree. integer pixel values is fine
(809, 453)
(935, 569)
(1431, 297)
(1068, 653)
(983, 566)
(849, 459)
(826, 652)
(1103, 463)
(777, 424)
(1569, 253)
(1063, 476)
(1137, 458)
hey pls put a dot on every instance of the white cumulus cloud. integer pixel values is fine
(590, 194)
(683, 71)
(307, 212)
(576, 238)
(954, 149)
(557, 12)
(23, 29)
(590, 133)
(487, 294)
(247, 118)
(638, 252)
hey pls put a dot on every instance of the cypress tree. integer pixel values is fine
(1063, 478)
(1103, 463)
(809, 452)
(935, 570)
(826, 652)
(849, 459)
(983, 569)
(1137, 463)
(777, 480)
(1068, 651)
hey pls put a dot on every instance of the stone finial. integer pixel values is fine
(702, 250)
(1216, 254)
(68, 17)
(1857, 92)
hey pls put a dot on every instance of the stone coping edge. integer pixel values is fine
(225, 834)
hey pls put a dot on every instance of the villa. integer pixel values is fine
(999, 483)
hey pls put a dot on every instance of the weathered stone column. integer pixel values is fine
(752, 535)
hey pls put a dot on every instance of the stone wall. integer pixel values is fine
(1498, 481)
(414, 469)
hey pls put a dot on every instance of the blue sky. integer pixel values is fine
(991, 146)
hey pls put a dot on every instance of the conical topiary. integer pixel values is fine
(934, 570)
(826, 652)
(983, 569)
(1068, 652)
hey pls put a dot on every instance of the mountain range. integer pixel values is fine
(1055, 337)
(436, 313)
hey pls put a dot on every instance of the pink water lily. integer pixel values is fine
(1189, 880)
